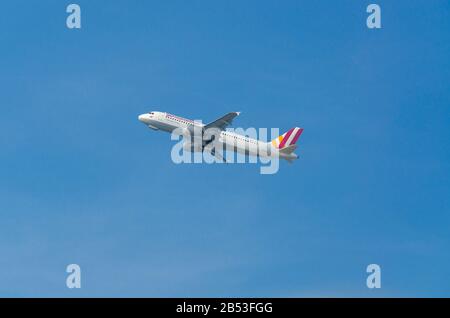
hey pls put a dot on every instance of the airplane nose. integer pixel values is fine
(141, 118)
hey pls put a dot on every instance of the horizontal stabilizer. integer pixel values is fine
(289, 149)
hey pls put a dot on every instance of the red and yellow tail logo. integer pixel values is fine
(287, 139)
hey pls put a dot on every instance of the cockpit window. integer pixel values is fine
(151, 113)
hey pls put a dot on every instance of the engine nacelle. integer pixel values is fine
(193, 147)
(186, 133)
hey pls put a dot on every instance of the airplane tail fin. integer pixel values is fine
(287, 139)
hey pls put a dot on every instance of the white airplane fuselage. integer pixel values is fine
(231, 141)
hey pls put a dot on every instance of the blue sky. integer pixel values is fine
(82, 181)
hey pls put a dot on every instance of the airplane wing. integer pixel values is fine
(223, 122)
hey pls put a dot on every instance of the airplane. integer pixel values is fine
(282, 147)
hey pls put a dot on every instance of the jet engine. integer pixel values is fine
(193, 147)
